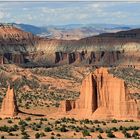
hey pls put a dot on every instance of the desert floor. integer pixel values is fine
(33, 125)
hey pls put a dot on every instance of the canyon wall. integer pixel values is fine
(17, 46)
(98, 58)
(102, 96)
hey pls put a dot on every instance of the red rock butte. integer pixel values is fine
(9, 107)
(102, 96)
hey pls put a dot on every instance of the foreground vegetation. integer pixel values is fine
(31, 127)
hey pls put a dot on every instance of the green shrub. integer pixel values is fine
(121, 127)
(77, 129)
(96, 121)
(135, 134)
(127, 135)
(85, 133)
(23, 123)
(22, 128)
(11, 134)
(26, 136)
(16, 127)
(108, 130)
(135, 127)
(47, 129)
(114, 121)
(37, 135)
(58, 135)
(4, 128)
(130, 128)
(52, 137)
(42, 134)
(52, 133)
(110, 135)
(99, 137)
(63, 129)
(100, 130)
(38, 125)
(24, 133)
(44, 119)
(86, 121)
(136, 137)
(35, 129)
(114, 129)
(9, 121)
(104, 123)
(124, 131)
(28, 119)
(74, 134)
(2, 137)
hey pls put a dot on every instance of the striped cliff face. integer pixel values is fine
(17, 46)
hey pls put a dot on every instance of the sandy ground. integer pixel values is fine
(69, 134)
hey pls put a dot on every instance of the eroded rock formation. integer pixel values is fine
(107, 58)
(9, 106)
(102, 96)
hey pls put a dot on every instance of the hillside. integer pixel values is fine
(121, 48)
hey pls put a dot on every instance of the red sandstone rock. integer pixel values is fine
(102, 96)
(9, 106)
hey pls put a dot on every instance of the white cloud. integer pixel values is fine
(25, 9)
(3, 14)
(72, 0)
(82, 12)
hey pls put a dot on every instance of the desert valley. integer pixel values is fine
(63, 88)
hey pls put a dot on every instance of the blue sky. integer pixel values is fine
(61, 13)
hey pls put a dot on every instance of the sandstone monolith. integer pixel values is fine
(9, 106)
(102, 96)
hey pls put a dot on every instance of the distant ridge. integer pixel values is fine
(72, 31)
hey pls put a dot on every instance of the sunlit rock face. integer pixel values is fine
(102, 96)
(9, 106)
(17, 46)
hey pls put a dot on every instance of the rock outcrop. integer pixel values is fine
(9, 106)
(102, 96)
(98, 58)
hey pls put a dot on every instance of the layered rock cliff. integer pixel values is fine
(17, 46)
